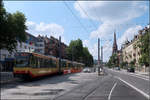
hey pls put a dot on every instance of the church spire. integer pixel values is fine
(115, 48)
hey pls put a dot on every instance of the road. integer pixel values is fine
(45, 88)
(110, 87)
(113, 85)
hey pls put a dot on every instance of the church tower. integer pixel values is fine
(115, 47)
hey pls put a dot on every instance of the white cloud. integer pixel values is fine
(110, 14)
(147, 26)
(113, 15)
(85, 43)
(129, 34)
(93, 50)
(104, 31)
(107, 50)
(110, 11)
(42, 28)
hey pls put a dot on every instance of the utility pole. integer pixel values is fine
(72, 52)
(98, 56)
(102, 56)
(59, 54)
(98, 51)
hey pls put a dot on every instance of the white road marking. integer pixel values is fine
(111, 91)
(133, 74)
(138, 90)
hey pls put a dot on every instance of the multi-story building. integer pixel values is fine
(119, 54)
(28, 46)
(7, 59)
(40, 45)
(131, 52)
(52, 47)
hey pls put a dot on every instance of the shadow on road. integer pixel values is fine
(54, 79)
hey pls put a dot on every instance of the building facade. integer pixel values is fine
(7, 58)
(131, 52)
(40, 44)
(52, 47)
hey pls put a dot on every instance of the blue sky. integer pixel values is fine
(54, 18)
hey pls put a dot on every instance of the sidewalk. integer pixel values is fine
(6, 77)
(142, 74)
(137, 73)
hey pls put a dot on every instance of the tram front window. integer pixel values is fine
(21, 62)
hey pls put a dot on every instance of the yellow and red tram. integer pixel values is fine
(31, 65)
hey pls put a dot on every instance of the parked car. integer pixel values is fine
(131, 69)
(86, 70)
(117, 68)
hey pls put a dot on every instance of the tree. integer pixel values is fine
(113, 61)
(144, 45)
(77, 52)
(12, 28)
(87, 57)
(124, 64)
(132, 63)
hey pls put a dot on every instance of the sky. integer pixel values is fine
(87, 20)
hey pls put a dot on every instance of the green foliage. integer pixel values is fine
(88, 58)
(132, 63)
(144, 45)
(124, 64)
(113, 61)
(77, 52)
(12, 28)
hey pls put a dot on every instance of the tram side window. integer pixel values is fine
(33, 62)
(38, 62)
(50, 62)
(53, 63)
(46, 63)
(78, 65)
(63, 63)
(69, 65)
(72, 65)
(41, 63)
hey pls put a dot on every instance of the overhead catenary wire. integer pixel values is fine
(87, 15)
(75, 16)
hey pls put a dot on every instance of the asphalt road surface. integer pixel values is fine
(45, 88)
(108, 87)
(113, 85)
